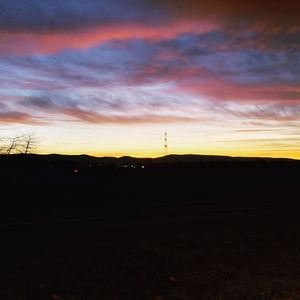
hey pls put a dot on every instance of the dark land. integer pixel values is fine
(178, 227)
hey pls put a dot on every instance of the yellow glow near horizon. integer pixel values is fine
(148, 140)
(155, 154)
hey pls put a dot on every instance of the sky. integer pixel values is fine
(109, 77)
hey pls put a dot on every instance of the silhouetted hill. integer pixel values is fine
(85, 160)
(143, 180)
(195, 158)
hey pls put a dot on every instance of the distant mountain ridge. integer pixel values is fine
(107, 160)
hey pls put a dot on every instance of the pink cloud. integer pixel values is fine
(225, 91)
(10, 117)
(23, 43)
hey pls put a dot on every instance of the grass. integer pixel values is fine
(255, 266)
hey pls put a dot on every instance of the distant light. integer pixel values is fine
(75, 171)
(143, 167)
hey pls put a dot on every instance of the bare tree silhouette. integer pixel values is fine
(13, 145)
(2, 148)
(29, 143)
(19, 144)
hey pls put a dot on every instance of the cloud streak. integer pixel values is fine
(24, 43)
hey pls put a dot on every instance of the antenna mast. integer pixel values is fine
(166, 150)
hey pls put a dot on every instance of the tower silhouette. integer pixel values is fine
(166, 150)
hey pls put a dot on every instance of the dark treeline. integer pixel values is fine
(44, 186)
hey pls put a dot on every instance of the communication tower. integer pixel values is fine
(166, 150)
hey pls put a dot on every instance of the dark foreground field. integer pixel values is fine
(175, 228)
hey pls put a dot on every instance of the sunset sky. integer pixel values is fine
(108, 77)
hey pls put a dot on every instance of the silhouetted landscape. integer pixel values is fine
(136, 83)
(175, 227)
